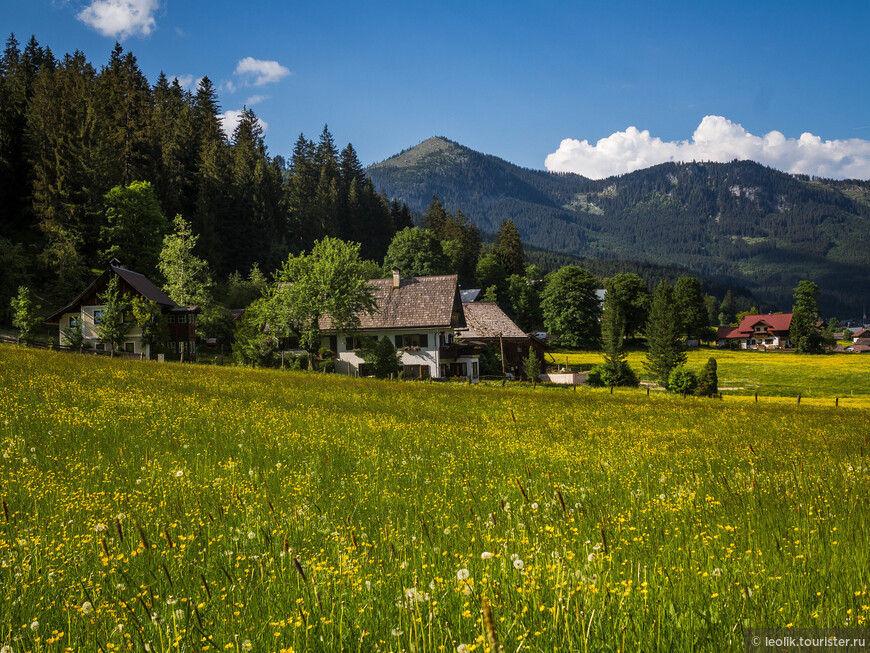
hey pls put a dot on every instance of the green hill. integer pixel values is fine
(737, 223)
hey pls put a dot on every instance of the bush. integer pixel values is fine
(682, 380)
(708, 380)
(381, 357)
(599, 377)
(532, 366)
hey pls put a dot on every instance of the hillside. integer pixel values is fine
(737, 223)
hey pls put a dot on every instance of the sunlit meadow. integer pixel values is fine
(165, 507)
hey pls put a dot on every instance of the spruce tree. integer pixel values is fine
(665, 347)
(804, 333)
(509, 248)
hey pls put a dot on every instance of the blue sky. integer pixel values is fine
(597, 88)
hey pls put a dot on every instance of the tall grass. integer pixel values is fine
(187, 508)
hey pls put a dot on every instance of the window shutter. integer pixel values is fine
(424, 339)
(399, 341)
(348, 344)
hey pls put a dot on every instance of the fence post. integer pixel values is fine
(756, 397)
(836, 401)
(799, 400)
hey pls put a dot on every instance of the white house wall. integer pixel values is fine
(348, 361)
(89, 330)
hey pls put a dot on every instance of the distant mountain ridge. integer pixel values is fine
(737, 223)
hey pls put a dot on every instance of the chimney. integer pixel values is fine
(397, 278)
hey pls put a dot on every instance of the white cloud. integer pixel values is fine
(715, 139)
(255, 99)
(120, 18)
(229, 120)
(258, 72)
(184, 81)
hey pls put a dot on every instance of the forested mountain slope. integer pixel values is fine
(738, 222)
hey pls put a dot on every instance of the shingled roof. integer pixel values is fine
(418, 302)
(487, 320)
(138, 282)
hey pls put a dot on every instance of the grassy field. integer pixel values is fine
(771, 374)
(165, 507)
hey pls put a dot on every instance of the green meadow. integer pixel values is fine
(168, 507)
(770, 374)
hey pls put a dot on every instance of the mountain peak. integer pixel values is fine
(434, 146)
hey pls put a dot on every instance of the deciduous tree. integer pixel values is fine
(571, 307)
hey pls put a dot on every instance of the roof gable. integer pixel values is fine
(776, 322)
(131, 281)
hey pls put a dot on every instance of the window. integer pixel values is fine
(171, 318)
(474, 371)
(191, 346)
(173, 346)
(416, 371)
(458, 369)
(412, 340)
(100, 347)
(352, 343)
(98, 317)
(182, 318)
(129, 347)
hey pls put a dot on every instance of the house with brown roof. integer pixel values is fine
(87, 310)
(487, 324)
(757, 332)
(860, 335)
(421, 316)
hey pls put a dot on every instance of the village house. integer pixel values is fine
(862, 334)
(757, 332)
(87, 310)
(487, 324)
(420, 316)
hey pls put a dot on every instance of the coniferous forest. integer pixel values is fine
(737, 223)
(71, 132)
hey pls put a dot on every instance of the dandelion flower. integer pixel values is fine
(251, 535)
(518, 564)
(462, 574)
(34, 626)
(100, 528)
(87, 607)
(486, 555)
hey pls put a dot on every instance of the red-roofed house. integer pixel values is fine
(863, 333)
(758, 332)
(87, 310)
